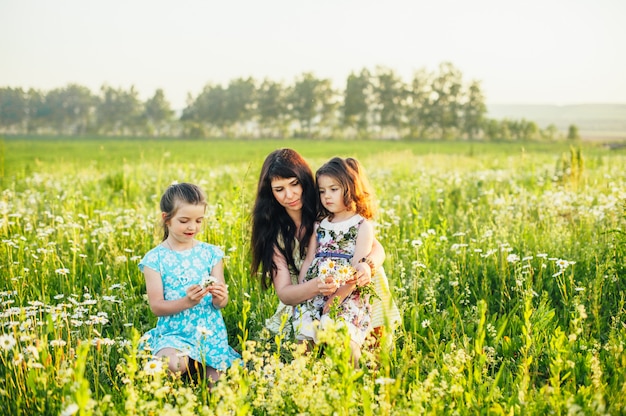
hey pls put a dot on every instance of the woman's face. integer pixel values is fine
(288, 193)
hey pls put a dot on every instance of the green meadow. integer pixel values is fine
(507, 262)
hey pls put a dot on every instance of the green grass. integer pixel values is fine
(26, 156)
(506, 260)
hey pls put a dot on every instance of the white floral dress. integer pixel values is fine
(199, 331)
(336, 241)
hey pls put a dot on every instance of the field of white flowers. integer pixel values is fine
(508, 268)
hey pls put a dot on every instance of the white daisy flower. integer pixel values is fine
(70, 410)
(153, 367)
(7, 342)
(208, 281)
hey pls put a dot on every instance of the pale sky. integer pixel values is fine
(523, 52)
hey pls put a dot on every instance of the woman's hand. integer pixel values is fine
(326, 289)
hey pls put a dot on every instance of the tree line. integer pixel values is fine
(373, 104)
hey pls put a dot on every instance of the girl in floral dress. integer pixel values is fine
(341, 240)
(186, 290)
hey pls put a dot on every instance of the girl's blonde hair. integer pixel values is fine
(357, 193)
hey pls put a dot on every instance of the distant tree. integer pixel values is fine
(272, 108)
(13, 108)
(222, 107)
(55, 114)
(503, 130)
(68, 109)
(389, 95)
(192, 124)
(356, 102)
(446, 100)
(310, 101)
(528, 130)
(550, 133)
(572, 132)
(206, 108)
(328, 107)
(473, 110)
(520, 130)
(239, 101)
(80, 105)
(418, 117)
(191, 111)
(38, 111)
(491, 129)
(158, 112)
(119, 111)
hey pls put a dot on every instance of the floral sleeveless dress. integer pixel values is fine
(336, 242)
(200, 331)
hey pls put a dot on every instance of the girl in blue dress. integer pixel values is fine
(186, 290)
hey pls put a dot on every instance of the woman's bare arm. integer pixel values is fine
(287, 292)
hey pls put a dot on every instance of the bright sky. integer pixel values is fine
(523, 52)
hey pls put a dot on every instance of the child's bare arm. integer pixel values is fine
(364, 241)
(341, 293)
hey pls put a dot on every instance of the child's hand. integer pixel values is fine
(195, 293)
(363, 275)
(219, 291)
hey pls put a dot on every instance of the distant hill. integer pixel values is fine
(594, 121)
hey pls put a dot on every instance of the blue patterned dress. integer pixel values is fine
(199, 331)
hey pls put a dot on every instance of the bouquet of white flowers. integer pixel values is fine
(332, 271)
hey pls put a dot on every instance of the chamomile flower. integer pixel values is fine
(153, 367)
(384, 380)
(208, 281)
(7, 342)
(70, 410)
(58, 343)
(204, 331)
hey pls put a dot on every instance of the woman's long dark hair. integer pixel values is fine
(270, 221)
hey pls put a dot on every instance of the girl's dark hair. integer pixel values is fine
(176, 194)
(272, 227)
(357, 194)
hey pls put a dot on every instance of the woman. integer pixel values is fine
(283, 220)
